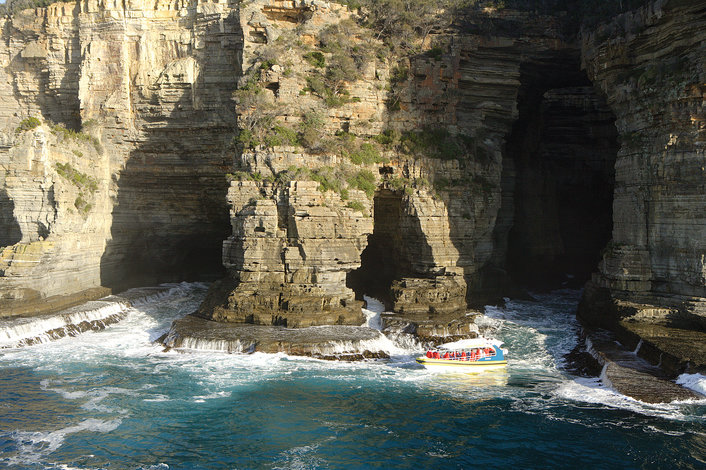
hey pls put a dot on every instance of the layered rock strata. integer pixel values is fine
(153, 84)
(650, 287)
(436, 243)
(149, 84)
(288, 257)
(633, 376)
(323, 342)
(655, 261)
(57, 212)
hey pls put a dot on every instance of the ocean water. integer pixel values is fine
(111, 399)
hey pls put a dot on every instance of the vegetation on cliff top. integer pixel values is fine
(13, 6)
(406, 24)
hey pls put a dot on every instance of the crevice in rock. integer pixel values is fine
(560, 171)
(10, 231)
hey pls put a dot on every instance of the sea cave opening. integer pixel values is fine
(385, 258)
(560, 166)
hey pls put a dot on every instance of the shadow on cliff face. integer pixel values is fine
(10, 232)
(559, 167)
(170, 215)
(397, 248)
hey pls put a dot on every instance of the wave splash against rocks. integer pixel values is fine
(90, 316)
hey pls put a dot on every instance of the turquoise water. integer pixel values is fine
(111, 399)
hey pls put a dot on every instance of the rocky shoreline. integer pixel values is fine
(286, 149)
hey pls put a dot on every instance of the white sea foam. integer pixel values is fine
(302, 457)
(696, 382)
(211, 396)
(596, 392)
(373, 309)
(34, 446)
(33, 330)
(93, 315)
(535, 338)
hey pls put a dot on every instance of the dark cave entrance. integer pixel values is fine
(385, 257)
(560, 166)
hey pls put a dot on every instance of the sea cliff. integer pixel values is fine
(292, 152)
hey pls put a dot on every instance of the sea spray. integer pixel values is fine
(696, 382)
(96, 315)
(91, 316)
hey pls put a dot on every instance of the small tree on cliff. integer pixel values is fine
(405, 25)
(256, 113)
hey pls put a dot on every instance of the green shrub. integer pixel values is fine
(316, 59)
(389, 138)
(399, 184)
(310, 129)
(82, 205)
(343, 143)
(80, 180)
(365, 181)
(70, 134)
(14, 6)
(89, 123)
(433, 143)
(399, 74)
(246, 138)
(441, 184)
(328, 179)
(281, 135)
(267, 64)
(357, 206)
(367, 154)
(28, 124)
(436, 53)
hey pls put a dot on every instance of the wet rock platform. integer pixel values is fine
(676, 350)
(631, 375)
(324, 342)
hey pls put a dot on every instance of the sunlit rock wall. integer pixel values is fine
(151, 82)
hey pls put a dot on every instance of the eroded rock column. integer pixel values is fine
(288, 257)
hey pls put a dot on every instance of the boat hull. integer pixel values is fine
(460, 366)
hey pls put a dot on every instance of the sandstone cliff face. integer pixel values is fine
(414, 178)
(650, 66)
(153, 84)
(56, 191)
(441, 212)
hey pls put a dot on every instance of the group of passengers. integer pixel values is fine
(472, 355)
